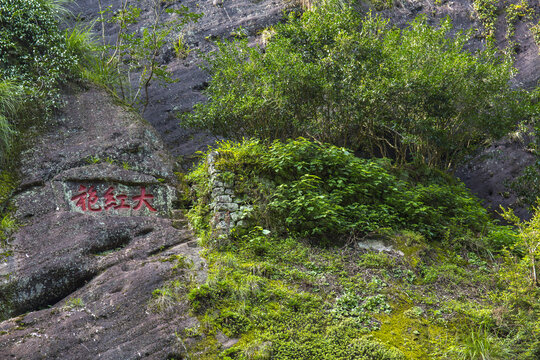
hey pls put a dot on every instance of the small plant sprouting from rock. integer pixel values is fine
(181, 49)
(169, 297)
(74, 304)
(7, 226)
(382, 4)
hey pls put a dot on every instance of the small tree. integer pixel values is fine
(528, 239)
(133, 58)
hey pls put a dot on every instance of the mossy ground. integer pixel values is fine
(285, 294)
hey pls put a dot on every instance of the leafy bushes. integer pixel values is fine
(36, 58)
(335, 76)
(323, 192)
(267, 285)
(32, 48)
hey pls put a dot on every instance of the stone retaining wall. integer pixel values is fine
(229, 210)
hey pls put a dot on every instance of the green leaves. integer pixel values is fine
(325, 193)
(32, 49)
(35, 59)
(336, 76)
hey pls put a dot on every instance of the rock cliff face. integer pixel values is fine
(98, 237)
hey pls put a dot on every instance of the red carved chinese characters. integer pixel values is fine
(122, 205)
(110, 199)
(142, 200)
(92, 200)
(81, 198)
(87, 200)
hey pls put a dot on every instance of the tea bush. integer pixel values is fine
(33, 50)
(323, 192)
(336, 76)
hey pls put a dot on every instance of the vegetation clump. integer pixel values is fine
(336, 76)
(36, 59)
(323, 192)
(487, 13)
(535, 30)
(514, 12)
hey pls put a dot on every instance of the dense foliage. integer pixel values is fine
(351, 80)
(36, 58)
(33, 50)
(322, 192)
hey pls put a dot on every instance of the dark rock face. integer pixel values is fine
(116, 318)
(219, 22)
(488, 173)
(107, 251)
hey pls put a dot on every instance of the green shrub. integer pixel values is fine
(528, 240)
(326, 193)
(32, 48)
(335, 76)
(501, 237)
(36, 58)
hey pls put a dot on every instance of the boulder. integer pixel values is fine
(96, 209)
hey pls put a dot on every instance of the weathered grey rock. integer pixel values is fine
(489, 172)
(107, 248)
(117, 318)
(223, 199)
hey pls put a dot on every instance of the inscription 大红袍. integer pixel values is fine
(88, 200)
